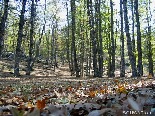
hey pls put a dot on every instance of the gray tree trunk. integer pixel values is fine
(92, 36)
(82, 46)
(112, 72)
(150, 60)
(19, 40)
(2, 25)
(73, 37)
(67, 40)
(29, 68)
(139, 49)
(122, 74)
(133, 37)
(129, 45)
(100, 41)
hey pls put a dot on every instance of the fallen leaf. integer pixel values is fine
(16, 112)
(30, 105)
(40, 104)
(35, 112)
(150, 76)
(133, 104)
(100, 112)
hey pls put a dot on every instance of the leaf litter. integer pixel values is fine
(77, 97)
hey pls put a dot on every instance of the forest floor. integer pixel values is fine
(49, 93)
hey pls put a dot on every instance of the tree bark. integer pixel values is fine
(112, 72)
(19, 40)
(129, 46)
(67, 40)
(122, 74)
(29, 68)
(2, 25)
(133, 37)
(150, 60)
(139, 49)
(92, 36)
(101, 46)
(73, 37)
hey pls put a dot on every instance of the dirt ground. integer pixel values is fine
(39, 70)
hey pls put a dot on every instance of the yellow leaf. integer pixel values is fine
(150, 76)
(30, 104)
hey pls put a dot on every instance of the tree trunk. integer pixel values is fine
(112, 72)
(87, 55)
(133, 38)
(122, 74)
(52, 46)
(92, 36)
(139, 49)
(73, 37)
(129, 45)
(2, 25)
(150, 60)
(19, 40)
(96, 27)
(48, 49)
(29, 68)
(67, 40)
(82, 46)
(100, 41)
(55, 51)
(38, 46)
(109, 48)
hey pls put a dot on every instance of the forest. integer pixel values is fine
(77, 57)
(94, 37)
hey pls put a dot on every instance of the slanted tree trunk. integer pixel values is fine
(53, 47)
(122, 74)
(2, 25)
(73, 37)
(112, 72)
(29, 67)
(19, 40)
(139, 49)
(129, 45)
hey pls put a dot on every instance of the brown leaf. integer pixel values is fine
(40, 104)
